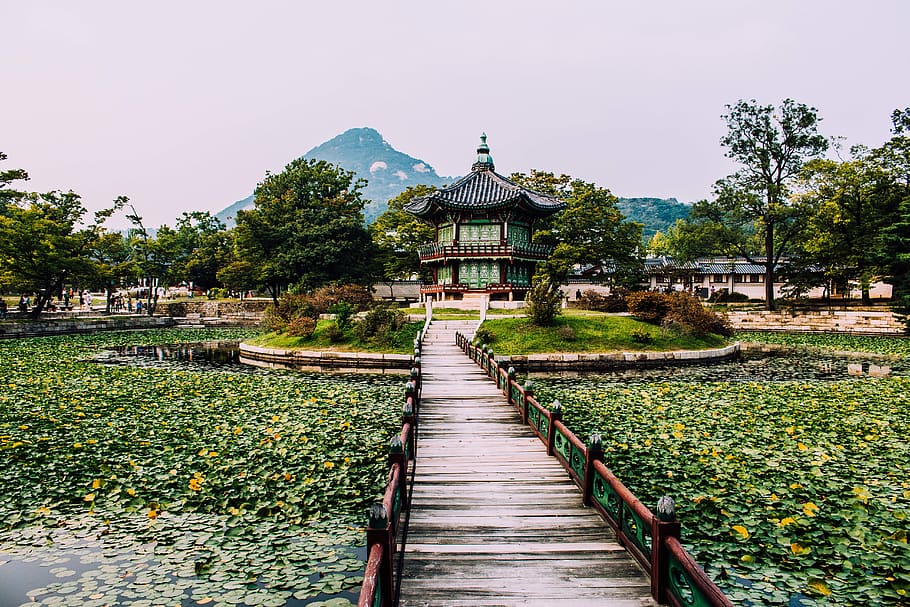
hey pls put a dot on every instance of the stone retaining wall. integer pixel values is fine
(64, 326)
(246, 312)
(303, 360)
(879, 322)
(538, 363)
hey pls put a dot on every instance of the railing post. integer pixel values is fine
(594, 452)
(491, 362)
(663, 526)
(529, 394)
(379, 531)
(555, 416)
(509, 386)
(408, 417)
(398, 456)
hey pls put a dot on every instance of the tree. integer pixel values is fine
(42, 245)
(152, 257)
(753, 214)
(848, 213)
(590, 230)
(399, 235)
(199, 245)
(306, 228)
(893, 244)
(7, 177)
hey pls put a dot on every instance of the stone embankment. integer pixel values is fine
(215, 313)
(63, 326)
(306, 360)
(539, 363)
(861, 322)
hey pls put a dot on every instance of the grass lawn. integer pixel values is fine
(399, 342)
(583, 331)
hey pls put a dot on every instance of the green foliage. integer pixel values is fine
(380, 322)
(793, 487)
(591, 229)
(192, 483)
(544, 301)
(342, 311)
(484, 335)
(654, 214)
(642, 336)
(306, 228)
(328, 336)
(592, 333)
(399, 234)
(44, 242)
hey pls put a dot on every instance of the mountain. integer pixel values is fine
(363, 150)
(657, 214)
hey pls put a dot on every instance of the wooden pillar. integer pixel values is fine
(663, 526)
(593, 453)
(379, 532)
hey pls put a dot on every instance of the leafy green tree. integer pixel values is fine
(893, 244)
(306, 228)
(849, 211)
(114, 264)
(753, 214)
(591, 229)
(7, 177)
(398, 236)
(153, 257)
(43, 244)
(199, 246)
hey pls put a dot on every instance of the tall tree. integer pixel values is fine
(590, 230)
(43, 243)
(753, 214)
(306, 228)
(153, 258)
(399, 235)
(893, 245)
(7, 177)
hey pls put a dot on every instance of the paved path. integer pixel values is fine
(494, 520)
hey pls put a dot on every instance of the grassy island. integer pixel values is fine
(580, 331)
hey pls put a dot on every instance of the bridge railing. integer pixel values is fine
(386, 530)
(652, 539)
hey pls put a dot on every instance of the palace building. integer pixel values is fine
(484, 228)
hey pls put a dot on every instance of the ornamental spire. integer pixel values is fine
(484, 160)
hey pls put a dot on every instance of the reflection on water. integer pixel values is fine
(213, 354)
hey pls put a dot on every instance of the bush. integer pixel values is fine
(484, 335)
(566, 333)
(343, 312)
(380, 322)
(614, 302)
(302, 326)
(679, 310)
(544, 301)
(649, 306)
(641, 336)
(334, 333)
(358, 297)
(725, 296)
(217, 293)
(690, 316)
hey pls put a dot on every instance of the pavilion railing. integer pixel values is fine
(463, 250)
(387, 530)
(652, 539)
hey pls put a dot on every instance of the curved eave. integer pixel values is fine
(432, 206)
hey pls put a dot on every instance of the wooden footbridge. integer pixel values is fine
(495, 502)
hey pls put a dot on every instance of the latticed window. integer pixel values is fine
(446, 234)
(518, 234)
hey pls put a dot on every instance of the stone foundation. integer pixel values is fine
(542, 363)
(305, 360)
(868, 322)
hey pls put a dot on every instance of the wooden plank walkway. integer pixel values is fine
(494, 520)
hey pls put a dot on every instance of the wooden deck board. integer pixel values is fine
(494, 521)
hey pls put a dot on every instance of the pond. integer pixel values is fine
(151, 474)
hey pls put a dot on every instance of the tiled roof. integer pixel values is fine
(484, 189)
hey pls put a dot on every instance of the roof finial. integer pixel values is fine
(484, 160)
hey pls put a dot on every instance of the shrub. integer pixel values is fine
(649, 306)
(342, 311)
(334, 332)
(566, 333)
(217, 293)
(641, 336)
(690, 316)
(381, 321)
(358, 297)
(484, 335)
(544, 301)
(725, 296)
(614, 302)
(301, 326)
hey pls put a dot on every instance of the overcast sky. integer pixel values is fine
(184, 105)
